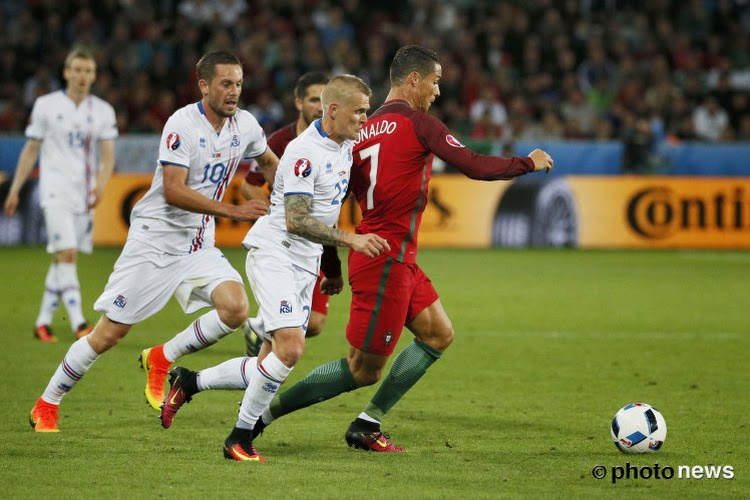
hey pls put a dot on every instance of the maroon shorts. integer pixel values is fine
(386, 295)
(319, 299)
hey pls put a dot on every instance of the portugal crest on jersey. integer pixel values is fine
(173, 141)
(453, 141)
(303, 167)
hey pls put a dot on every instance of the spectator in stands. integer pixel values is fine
(710, 120)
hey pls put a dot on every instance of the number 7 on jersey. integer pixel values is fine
(372, 153)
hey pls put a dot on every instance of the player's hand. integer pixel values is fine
(542, 161)
(11, 204)
(96, 197)
(371, 245)
(332, 286)
(251, 210)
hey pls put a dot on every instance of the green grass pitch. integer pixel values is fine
(549, 345)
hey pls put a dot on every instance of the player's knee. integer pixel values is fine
(315, 325)
(233, 312)
(364, 378)
(67, 256)
(439, 337)
(290, 350)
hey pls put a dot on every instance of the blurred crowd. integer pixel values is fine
(636, 71)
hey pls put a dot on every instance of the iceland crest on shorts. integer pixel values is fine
(303, 167)
(120, 301)
(285, 307)
(173, 141)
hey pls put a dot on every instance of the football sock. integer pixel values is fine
(323, 383)
(262, 387)
(232, 374)
(50, 298)
(70, 290)
(75, 364)
(203, 332)
(407, 369)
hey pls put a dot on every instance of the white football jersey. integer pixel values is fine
(190, 141)
(68, 161)
(313, 164)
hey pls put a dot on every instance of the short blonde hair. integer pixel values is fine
(341, 88)
(79, 52)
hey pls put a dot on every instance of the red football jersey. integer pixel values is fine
(392, 167)
(277, 142)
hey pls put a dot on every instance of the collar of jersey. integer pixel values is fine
(327, 141)
(319, 125)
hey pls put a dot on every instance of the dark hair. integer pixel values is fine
(207, 64)
(412, 58)
(307, 80)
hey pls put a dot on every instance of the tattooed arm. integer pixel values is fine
(300, 221)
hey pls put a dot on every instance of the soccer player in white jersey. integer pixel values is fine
(63, 131)
(170, 247)
(283, 260)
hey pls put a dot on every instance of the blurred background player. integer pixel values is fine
(64, 130)
(309, 108)
(170, 248)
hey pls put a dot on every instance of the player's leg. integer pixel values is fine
(377, 314)
(430, 324)
(208, 280)
(319, 310)
(77, 361)
(50, 301)
(283, 293)
(184, 384)
(77, 236)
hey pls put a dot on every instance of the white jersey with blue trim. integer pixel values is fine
(68, 156)
(312, 165)
(190, 141)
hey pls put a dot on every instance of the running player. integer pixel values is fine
(170, 247)
(64, 130)
(390, 178)
(307, 101)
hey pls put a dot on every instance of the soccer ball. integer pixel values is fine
(638, 428)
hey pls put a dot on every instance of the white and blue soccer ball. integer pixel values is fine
(638, 428)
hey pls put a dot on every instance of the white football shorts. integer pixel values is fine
(282, 290)
(144, 279)
(66, 230)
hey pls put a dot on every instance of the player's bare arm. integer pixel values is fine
(107, 165)
(252, 192)
(268, 162)
(299, 221)
(178, 194)
(26, 161)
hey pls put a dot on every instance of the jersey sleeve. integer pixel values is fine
(257, 144)
(298, 173)
(37, 122)
(176, 142)
(108, 129)
(436, 137)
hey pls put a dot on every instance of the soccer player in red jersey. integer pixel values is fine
(390, 178)
(307, 101)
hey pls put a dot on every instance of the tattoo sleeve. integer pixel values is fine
(299, 221)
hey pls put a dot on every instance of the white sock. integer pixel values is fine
(70, 290)
(75, 364)
(232, 374)
(203, 332)
(261, 389)
(50, 298)
(266, 416)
